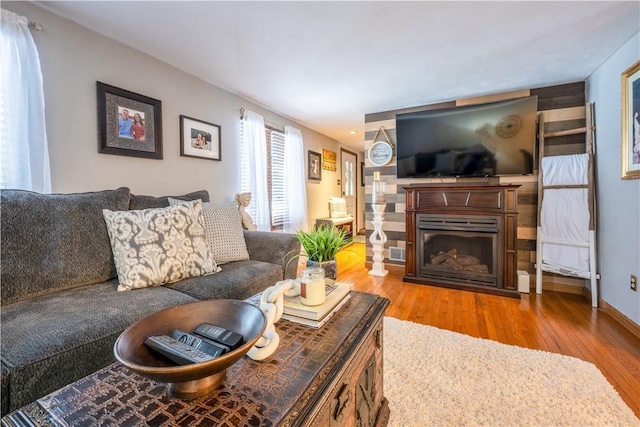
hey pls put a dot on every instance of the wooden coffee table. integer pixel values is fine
(332, 376)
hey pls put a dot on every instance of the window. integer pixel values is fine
(272, 170)
(278, 196)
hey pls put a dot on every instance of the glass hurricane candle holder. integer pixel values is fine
(379, 188)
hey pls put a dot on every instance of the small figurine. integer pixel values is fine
(243, 200)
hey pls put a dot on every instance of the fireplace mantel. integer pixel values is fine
(477, 202)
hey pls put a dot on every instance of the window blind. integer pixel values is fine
(279, 196)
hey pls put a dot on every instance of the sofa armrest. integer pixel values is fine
(275, 248)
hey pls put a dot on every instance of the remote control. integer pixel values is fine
(219, 335)
(201, 344)
(177, 351)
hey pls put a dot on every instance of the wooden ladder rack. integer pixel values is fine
(588, 131)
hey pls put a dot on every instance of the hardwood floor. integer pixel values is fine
(554, 322)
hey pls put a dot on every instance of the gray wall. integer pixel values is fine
(73, 58)
(618, 200)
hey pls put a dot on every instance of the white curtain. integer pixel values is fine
(295, 184)
(24, 156)
(253, 168)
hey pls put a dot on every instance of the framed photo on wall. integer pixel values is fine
(200, 139)
(314, 166)
(329, 160)
(129, 124)
(631, 122)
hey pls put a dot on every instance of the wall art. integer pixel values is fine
(129, 124)
(200, 139)
(329, 160)
(314, 169)
(631, 122)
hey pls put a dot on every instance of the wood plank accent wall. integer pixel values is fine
(563, 107)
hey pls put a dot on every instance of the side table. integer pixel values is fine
(345, 224)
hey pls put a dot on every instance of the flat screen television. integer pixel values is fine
(492, 139)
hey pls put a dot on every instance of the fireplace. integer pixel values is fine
(462, 236)
(458, 248)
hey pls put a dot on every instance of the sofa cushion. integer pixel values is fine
(146, 202)
(51, 242)
(159, 246)
(237, 280)
(70, 334)
(223, 228)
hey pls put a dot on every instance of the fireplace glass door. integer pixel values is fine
(459, 251)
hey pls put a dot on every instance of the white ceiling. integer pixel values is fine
(327, 64)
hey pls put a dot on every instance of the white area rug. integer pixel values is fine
(434, 377)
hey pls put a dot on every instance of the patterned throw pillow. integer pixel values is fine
(223, 228)
(159, 246)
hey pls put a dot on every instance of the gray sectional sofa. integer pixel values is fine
(61, 313)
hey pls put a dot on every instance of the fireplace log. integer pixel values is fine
(452, 261)
(467, 260)
(452, 264)
(443, 256)
(481, 268)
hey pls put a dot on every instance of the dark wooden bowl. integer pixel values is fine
(198, 379)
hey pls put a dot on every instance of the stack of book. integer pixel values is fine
(316, 316)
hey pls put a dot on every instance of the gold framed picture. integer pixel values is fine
(631, 122)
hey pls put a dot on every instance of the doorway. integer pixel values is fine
(348, 182)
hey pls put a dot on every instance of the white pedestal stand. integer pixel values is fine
(378, 239)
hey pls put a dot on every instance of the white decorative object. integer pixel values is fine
(271, 304)
(378, 239)
(243, 200)
(381, 151)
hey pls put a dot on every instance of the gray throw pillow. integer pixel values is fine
(137, 202)
(223, 228)
(159, 246)
(51, 242)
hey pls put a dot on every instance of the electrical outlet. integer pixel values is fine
(634, 283)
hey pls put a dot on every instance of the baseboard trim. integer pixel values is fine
(628, 324)
(387, 266)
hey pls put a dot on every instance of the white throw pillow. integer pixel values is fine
(159, 246)
(337, 207)
(223, 230)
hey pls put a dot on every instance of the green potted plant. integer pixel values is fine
(321, 245)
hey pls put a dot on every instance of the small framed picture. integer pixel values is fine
(199, 139)
(631, 122)
(129, 124)
(314, 167)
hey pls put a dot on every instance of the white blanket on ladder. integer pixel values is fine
(565, 212)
